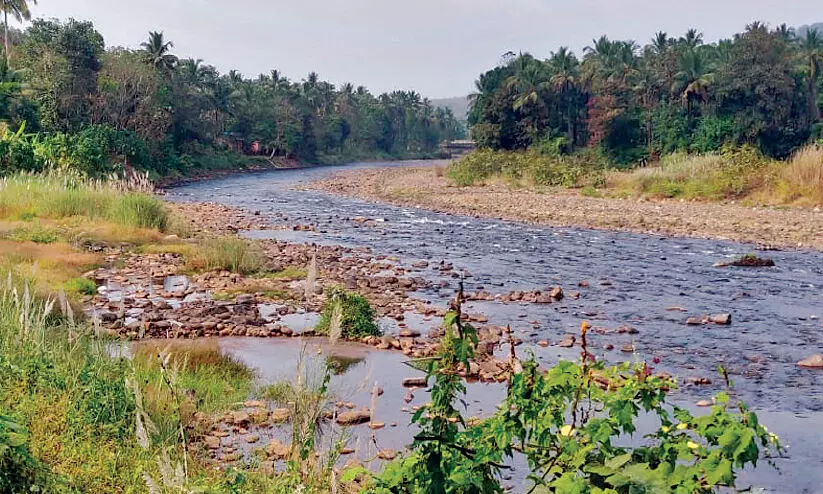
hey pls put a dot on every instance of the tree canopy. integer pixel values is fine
(184, 113)
(635, 103)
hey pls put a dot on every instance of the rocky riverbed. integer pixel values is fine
(668, 301)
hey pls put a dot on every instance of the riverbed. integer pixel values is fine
(624, 280)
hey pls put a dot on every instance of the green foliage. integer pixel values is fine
(674, 94)
(18, 469)
(566, 422)
(357, 318)
(140, 210)
(80, 286)
(530, 167)
(34, 233)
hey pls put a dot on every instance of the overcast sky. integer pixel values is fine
(437, 47)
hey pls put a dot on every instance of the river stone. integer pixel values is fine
(252, 438)
(354, 417)
(387, 454)
(280, 415)
(415, 382)
(723, 319)
(240, 418)
(705, 403)
(276, 449)
(212, 442)
(813, 362)
(567, 341)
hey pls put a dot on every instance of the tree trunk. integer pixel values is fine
(815, 109)
(6, 37)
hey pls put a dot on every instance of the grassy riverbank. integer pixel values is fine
(737, 174)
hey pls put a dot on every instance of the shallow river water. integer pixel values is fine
(632, 279)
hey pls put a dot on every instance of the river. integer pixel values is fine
(632, 280)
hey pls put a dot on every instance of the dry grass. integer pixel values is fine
(50, 265)
(800, 180)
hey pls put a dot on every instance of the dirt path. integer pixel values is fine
(423, 188)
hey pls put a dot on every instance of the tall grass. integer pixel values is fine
(801, 179)
(60, 195)
(229, 253)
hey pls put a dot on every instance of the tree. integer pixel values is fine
(811, 47)
(19, 9)
(157, 52)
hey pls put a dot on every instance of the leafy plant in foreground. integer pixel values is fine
(574, 426)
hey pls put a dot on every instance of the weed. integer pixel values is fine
(80, 286)
(356, 316)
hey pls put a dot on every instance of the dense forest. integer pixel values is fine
(70, 101)
(633, 103)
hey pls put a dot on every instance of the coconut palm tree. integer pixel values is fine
(812, 48)
(19, 9)
(565, 74)
(692, 39)
(158, 52)
(692, 82)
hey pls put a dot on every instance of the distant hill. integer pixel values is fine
(458, 105)
(801, 31)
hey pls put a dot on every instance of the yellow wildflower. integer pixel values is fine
(665, 429)
(692, 445)
(567, 431)
(681, 426)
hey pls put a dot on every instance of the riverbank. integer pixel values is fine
(772, 227)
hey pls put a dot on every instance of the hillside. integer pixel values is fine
(801, 31)
(459, 105)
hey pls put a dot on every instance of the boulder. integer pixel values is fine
(567, 341)
(240, 418)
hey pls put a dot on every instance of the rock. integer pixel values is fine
(556, 293)
(240, 418)
(212, 442)
(244, 299)
(376, 425)
(252, 438)
(723, 319)
(628, 348)
(543, 343)
(387, 454)
(279, 415)
(694, 321)
(276, 449)
(346, 451)
(259, 415)
(705, 403)
(354, 417)
(108, 317)
(254, 404)
(813, 362)
(409, 333)
(415, 382)
(567, 341)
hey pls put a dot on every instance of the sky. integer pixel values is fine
(436, 47)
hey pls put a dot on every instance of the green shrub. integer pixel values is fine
(529, 166)
(80, 286)
(570, 424)
(357, 318)
(35, 233)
